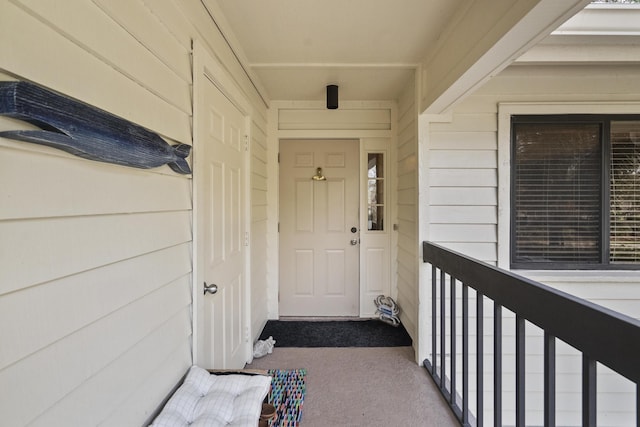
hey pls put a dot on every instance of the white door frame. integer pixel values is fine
(205, 66)
(376, 143)
(323, 126)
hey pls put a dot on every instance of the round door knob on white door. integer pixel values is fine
(354, 242)
(212, 289)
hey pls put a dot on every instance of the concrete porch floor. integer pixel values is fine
(363, 387)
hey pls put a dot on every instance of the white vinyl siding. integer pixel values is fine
(468, 212)
(260, 244)
(96, 259)
(407, 189)
(95, 295)
(463, 178)
(34, 36)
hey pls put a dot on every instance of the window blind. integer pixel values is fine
(557, 193)
(624, 177)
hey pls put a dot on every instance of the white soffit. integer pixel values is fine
(601, 33)
(604, 19)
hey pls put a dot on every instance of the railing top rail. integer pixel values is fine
(607, 336)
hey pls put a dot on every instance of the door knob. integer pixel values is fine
(212, 289)
(354, 242)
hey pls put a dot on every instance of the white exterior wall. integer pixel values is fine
(467, 210)
(95, 259)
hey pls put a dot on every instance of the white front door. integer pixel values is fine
(319, 246)
(220, 207)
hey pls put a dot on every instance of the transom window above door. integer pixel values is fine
(575, 192)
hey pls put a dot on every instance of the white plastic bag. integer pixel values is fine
(263, 347)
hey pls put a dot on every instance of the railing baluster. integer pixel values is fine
(465, 355)
(452, 334)
(549, 380)
(520, 371)
(434, 327)
(497, 364)
(589, 389)
(443, 384)
(480, 358)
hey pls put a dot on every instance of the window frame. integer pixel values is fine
(505, 111)
(604, 121)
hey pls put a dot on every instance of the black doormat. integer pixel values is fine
(351, 333)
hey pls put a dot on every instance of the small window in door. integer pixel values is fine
(375, 191)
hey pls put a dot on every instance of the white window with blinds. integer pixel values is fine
(575, 192)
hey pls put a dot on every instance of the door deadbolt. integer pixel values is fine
(354, 230)
(211, 289)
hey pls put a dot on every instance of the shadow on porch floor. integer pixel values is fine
(371, 386)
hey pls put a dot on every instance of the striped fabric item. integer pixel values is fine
(288, 388)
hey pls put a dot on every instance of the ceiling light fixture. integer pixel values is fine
(332, 97)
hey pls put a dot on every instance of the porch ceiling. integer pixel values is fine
(292, 49)
(370, 48)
